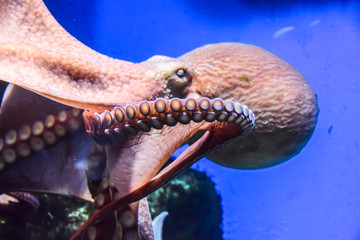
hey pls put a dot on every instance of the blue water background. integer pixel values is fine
(316, 194)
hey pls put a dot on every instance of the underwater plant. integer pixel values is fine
(137, 114)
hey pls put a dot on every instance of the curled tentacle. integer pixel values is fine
(124, 121)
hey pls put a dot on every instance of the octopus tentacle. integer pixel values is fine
(40, 140)
(105, 228)
(31, 138)
(125, 222)
(51, 60)
(123, 122)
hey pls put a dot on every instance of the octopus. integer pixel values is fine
(76, 122)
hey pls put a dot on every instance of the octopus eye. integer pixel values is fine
(180, 73)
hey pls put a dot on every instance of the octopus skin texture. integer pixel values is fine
(142, 112)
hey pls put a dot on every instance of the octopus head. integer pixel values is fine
(284, 103)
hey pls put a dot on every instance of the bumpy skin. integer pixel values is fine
(59, 67)
(284, 104)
